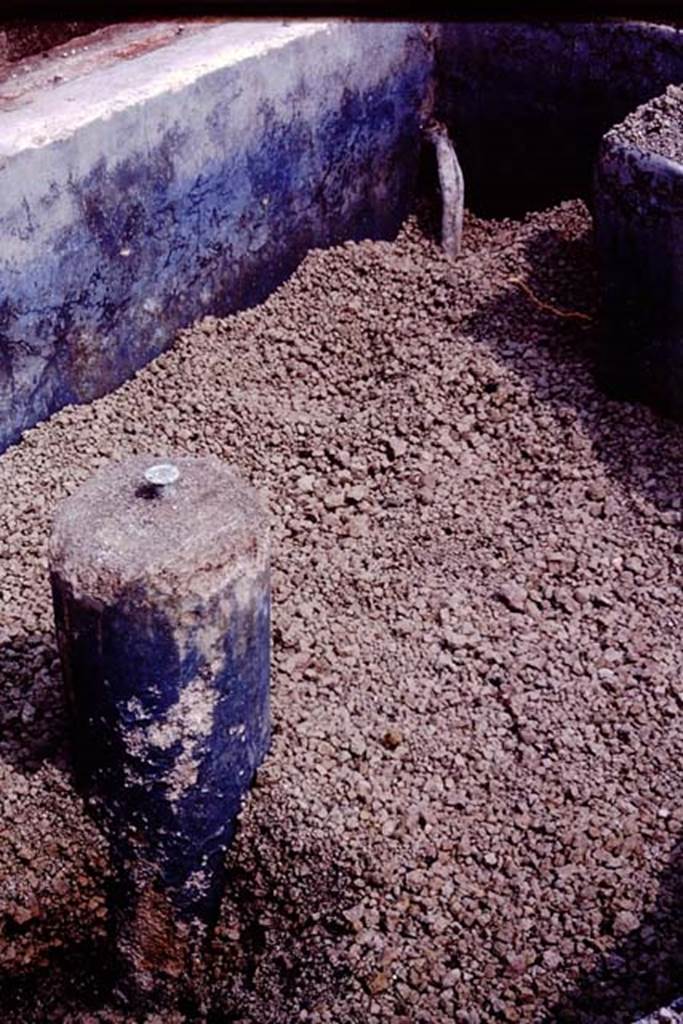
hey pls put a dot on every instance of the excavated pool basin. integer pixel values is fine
(151, 174)
(471, 808)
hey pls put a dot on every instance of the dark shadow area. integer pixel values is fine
(33, 722)
(527, 102)
(278, 949)
(281, 945)
(644, 971)
(26, 37)
(76, 980)
(427, 209)
(569, 371)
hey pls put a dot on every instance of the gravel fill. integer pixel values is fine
(52, 865)
(656, 126)
(473, 802)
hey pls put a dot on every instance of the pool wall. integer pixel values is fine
(527, 103)
(639, 242)
(137, 198)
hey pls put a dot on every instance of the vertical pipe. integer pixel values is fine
(452, 185)
(160, 579)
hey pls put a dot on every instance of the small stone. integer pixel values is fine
(333, 500)
(28, 713)
(306, 483)
(22, 915)
(357, 746)
(356, 494)
(596, 492)
(358, 527)
(513, 596)
(378, 983)
(392, 738)
(397, 447)
(552, 959)
(625, 922)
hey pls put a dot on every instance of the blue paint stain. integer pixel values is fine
(125, 674)
(216, 242)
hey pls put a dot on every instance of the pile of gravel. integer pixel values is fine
(53, 864)
(656, 126)
(471, 807)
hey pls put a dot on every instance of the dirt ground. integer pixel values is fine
(472, 809)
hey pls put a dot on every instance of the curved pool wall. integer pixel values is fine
(639, 244)
(192, 179)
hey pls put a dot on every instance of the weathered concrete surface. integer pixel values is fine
(162, 609)
(528, 102)
(639, 235)
(21, 80)
(191, 180)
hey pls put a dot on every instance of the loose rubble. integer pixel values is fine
(53, 866)
(471, 807)
(655, 127)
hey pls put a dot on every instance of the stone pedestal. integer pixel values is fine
(162, 608)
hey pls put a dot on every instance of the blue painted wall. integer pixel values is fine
(199, 200)
(124, 672)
